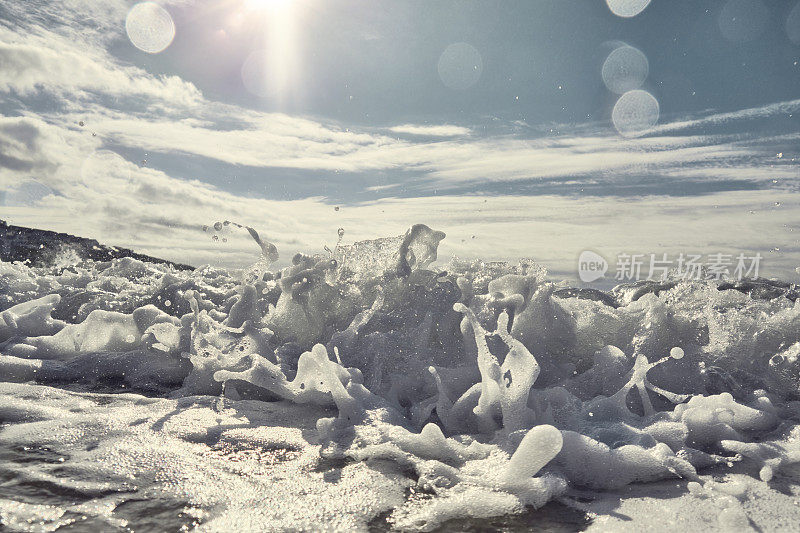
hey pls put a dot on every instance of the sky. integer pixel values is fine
(523, 129)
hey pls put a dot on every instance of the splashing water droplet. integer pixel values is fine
(218, 226)
(341, 232)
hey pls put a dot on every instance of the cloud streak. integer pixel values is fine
(444, 130)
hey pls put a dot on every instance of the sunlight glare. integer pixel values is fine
(270, 70)
(261, 5)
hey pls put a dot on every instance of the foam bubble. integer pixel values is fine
(150, 27)
(460, 66)
(743, 20)
(625, 69)
(635, 112)
(627, 8)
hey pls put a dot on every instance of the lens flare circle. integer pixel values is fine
(627, 8)
(625, 69)
(150, 27)
(460, 66)
(635, 112)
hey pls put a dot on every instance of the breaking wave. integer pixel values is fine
(471, 389)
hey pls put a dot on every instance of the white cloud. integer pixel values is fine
(172, 117)
(55, 64)
(444, 130)
(778, 108)
(281, 141)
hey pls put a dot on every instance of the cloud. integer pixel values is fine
(132, 111)
(56, 65)
(771, 110)
(445, 130)
(279, 141)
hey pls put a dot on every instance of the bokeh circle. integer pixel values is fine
(625, 69)
(150, 27)
(635, 112)
(627, 8)
(460, 66)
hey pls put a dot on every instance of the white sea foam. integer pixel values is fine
(365, 384)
